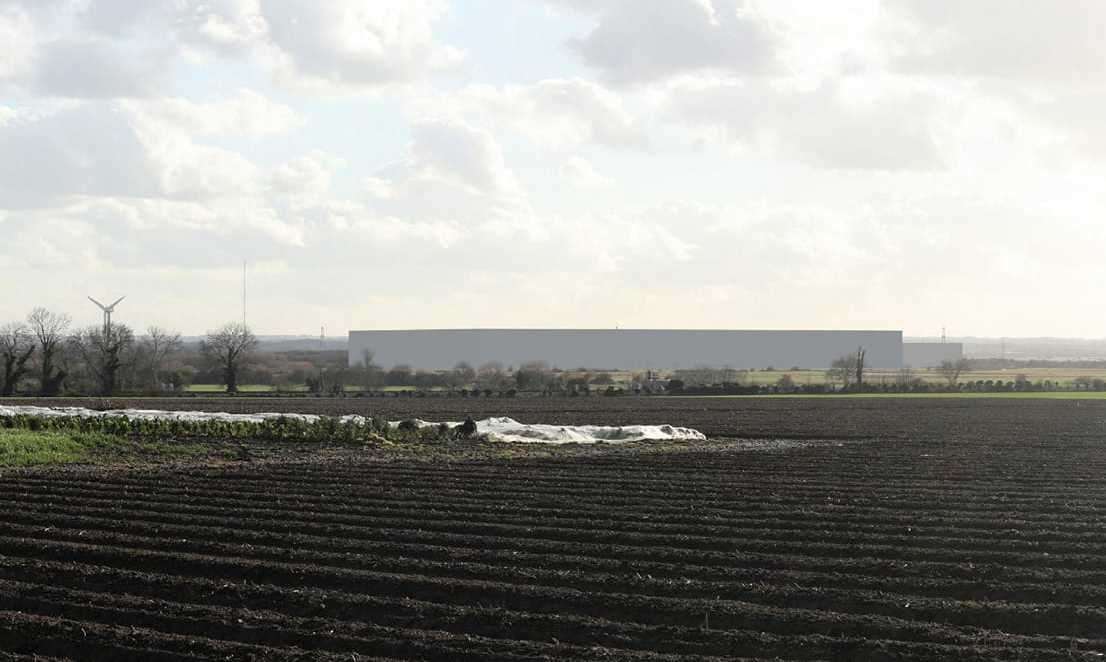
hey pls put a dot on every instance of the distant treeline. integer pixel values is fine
(1020, 364)
(44, 356)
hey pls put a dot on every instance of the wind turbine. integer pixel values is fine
(108, 310)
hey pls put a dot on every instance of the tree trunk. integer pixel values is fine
(52, 386)
(10, 376)
(230, 375)
(47, 371)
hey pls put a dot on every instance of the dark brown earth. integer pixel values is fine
(896, 529)
(768, 417)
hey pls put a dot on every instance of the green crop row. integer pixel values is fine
(322, 429)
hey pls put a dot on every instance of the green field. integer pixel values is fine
(242, 388)
(25, 448)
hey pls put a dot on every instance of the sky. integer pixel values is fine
(884, 164)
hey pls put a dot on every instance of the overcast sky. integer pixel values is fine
(557, 163)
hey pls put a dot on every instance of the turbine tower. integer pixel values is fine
(108, 310)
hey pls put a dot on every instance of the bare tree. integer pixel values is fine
(367, 356)
(842, 370)
(371, 375)
(951, 370)
(462, 375)
(156, 347)
(16, 348)
(605, 379)
(104, 351)
(490, 376)
(229, 347)
(532, 376)
(400, 375)
(904, 377)
(48, 329)
(860, 354)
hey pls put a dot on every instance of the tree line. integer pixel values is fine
(490, 377)
(43, 355)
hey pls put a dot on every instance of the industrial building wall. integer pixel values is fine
(930, 354)
(625, 349)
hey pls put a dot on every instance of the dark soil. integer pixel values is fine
(818, 529)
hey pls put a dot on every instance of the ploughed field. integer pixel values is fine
(897, 529)
(760, 417)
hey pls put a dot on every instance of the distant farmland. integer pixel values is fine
(1063, 377)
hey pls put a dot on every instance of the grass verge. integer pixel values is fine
(27, 448)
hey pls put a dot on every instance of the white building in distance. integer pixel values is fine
(624, 349)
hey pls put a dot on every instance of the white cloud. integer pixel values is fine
(581, 172)
(825, 127)
(102, 234)
(358, 42)
(119, 48)
(816, 40)
(116, 149)
(633, 245)
(1042, 40)
(227, 26)
(1036, 68)
(459, 155)
(48, 51)
(864, 161)
(17, 34)
(559, 114)
(637, 41)
(309, 175)
(118, 19)
(90, 150)
(246, 113)
(97, 67)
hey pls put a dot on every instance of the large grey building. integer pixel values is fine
(930, 354)
(625, 349)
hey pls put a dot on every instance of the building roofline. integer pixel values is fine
(634, 330)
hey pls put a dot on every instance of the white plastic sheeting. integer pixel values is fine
(158, 414)
(510, 430)
(494, 429)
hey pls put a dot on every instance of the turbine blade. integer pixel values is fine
(97, 303)
(117, 301)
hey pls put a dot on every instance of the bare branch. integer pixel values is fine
(48, 329)
(230, 347)
(16, 348)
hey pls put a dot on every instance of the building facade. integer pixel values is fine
(930, 354)
(624, 349)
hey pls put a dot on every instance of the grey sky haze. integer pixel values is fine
(897, 164)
